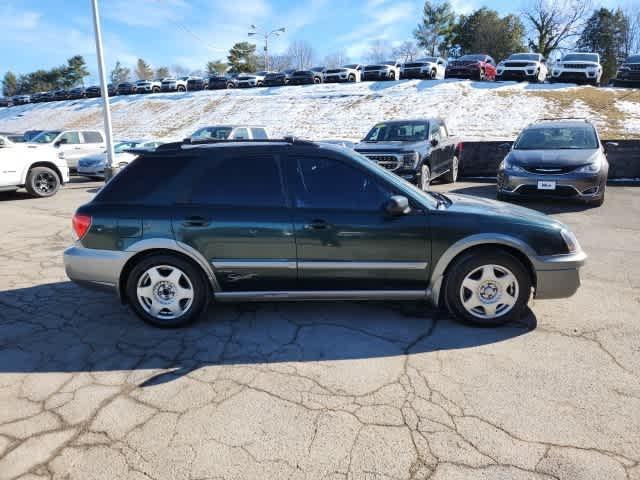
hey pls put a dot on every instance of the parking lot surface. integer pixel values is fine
(311, 390)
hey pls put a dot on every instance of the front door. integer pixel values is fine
(345, 239)
(237, 217)
(72, 148)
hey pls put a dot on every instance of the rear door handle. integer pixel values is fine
(195, 221)
(317, 224)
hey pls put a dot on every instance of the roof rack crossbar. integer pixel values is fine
(287, 139)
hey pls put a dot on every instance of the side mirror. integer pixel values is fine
(607, 145)
(434, 142)
(62, 141)
(398, 205)
(504, 146)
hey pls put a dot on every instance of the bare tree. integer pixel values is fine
(379, 51)
(301, 54)
(179, 71)
(407, 51)
(280, 62)
(336, 59)
(553, 22)
(632, 32)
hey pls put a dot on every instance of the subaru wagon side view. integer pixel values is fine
(195, 223)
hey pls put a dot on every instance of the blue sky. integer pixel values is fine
(44, 33)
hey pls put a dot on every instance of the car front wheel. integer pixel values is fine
(167, 291)
(425, 177)
(42, 182)
(452, 175)
(487, 287)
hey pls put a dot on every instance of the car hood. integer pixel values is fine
(554, 158)
(388, 147)
(484, 206)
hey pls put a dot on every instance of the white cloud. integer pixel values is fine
(146, 13)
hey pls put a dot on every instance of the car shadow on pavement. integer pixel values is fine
(548, 206)
(61, 327)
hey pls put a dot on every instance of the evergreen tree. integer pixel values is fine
(143, 70)
(9, 84)
(74, 72)
(242, 58)
(484, 31)
(435, 32)
(162, 72)
(605, 33)
(120, 74)
(217, 67)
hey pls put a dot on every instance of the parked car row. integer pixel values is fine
(584, 68)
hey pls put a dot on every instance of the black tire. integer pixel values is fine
(392, 75)
(199, 283)
(469, 262)
(452, 175)
(425, 176)
(181, 88)
(317, 80)
(482, 75)
(156, 90)
(42, 182)
(351, 78)
(433, 75)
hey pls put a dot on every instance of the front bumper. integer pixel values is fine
(91, 171)
(275, 82)
(574, 76)
(517, 74)
(558, 276)
(301, 81)
(462, 73)
(416, 73)
(95, 268)
(578, 186)
(377, 75)
(168, 88)
(336, 78)
(245, 84)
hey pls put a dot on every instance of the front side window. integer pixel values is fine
(241, 181)
(398, 132)
(326, 183)
(241, 134)
(558, 138)
(212, 133)
(72, 138)
(46, 137)
(122, 146)
(92, 137)
(259, 133)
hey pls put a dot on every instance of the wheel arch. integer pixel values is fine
(42, 163)
(514, 246)
(147, 248)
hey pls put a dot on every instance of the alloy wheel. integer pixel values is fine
(489, 292)
(165, 292)
(45, 182)
(425, 177)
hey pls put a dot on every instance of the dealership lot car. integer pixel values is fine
(93, 166)
(578, 67)
(523, 66)
(628, 72)
(474, 66)
(558, 159)
(315, 222)
(71, 145)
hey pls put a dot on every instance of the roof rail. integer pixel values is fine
(561, 118)
(287, 139)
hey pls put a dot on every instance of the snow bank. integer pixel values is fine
(473, 110)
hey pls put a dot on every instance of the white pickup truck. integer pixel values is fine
(72, 145)
(39, 169)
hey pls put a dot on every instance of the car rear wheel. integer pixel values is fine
(182, 89)
(433, 74)
(452, 175)
(481, 75)
(392, 75)
(42, 182)
(487, 288)
(352, 78)
(167, 291)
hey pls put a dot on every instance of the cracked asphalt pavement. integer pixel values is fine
(317, 390)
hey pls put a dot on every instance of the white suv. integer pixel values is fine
(71, 145)
(432, 68)
(346, 73)
(40, 170)
(523, 66)
(579, 68)
(172, 84)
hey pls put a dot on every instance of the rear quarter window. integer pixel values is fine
(92, 137)
(149, 180)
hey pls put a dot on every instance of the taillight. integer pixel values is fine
(81, 224)
(459, 148)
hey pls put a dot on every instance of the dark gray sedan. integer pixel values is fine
(556, 159)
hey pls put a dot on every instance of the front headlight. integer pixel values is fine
(591, 168)
(510, 166)
(410, 160)
(570, 240)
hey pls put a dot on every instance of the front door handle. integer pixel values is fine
(317, 224)
(195, 221)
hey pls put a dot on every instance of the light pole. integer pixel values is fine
(103, 83)
(255, 31)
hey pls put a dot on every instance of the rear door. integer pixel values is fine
(436, 155)
(345, 239)
(92, 142)
(238, 218)
(71, 147)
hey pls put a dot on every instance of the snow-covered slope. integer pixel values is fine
(473, 110)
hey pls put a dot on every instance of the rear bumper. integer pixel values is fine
(558, 276)
(95, 268)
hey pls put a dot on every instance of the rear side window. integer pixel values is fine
(71, 137)
(259, 134)
(241, 134)
(92, 137)
(149, 180)
(252, 180)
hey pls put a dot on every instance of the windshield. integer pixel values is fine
(633, 59)
(524, 56)
(428, 59)
(46, 136)
(474, 58)
(581, 57)
(353, 65)
(317, 69)
(389, 63)
(558, 138)
(31, 134)
(398, 132)
(212, 133)
(122, 146)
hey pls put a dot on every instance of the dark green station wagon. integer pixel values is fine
(219, 221)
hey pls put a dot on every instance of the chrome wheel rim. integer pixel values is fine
(489, 292)
(165, 292)
(424, 177)
(44, 182)
(454, 169)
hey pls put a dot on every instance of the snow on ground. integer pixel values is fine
(631, 112)
(473, 110)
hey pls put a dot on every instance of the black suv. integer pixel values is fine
(278, 79)
(417, 150)
(197, 83)
(297, 220)
(220, 82)
(304, 77)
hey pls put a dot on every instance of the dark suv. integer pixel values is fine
(294, 220)
(417, 150)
